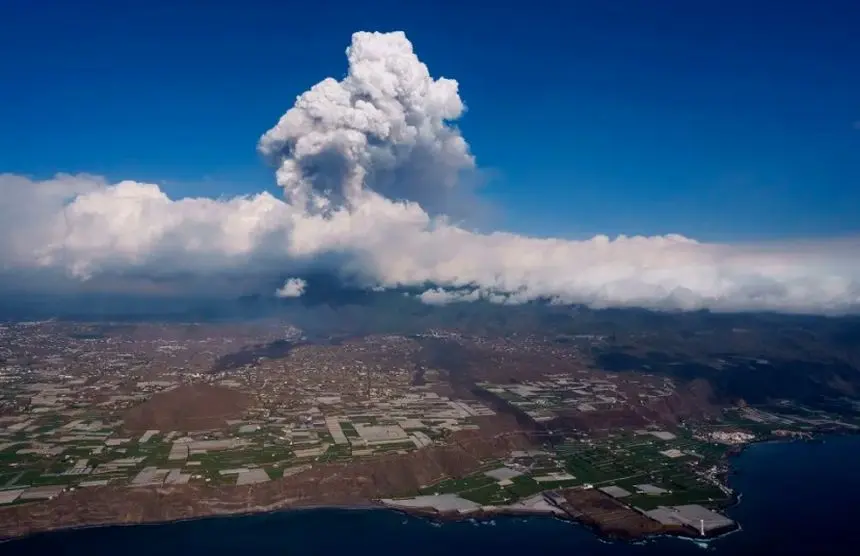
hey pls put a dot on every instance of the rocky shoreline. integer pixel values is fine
(599, 513)
(147, 506)
(622, 523)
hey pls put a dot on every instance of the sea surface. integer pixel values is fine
(797, 498)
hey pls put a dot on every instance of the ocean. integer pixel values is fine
(797, 498)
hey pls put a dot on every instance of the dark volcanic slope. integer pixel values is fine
(807, 379)
(251, 354)
(187, 408)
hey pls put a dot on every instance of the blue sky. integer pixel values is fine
(721, 120)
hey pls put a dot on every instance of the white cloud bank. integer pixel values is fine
(370, 165)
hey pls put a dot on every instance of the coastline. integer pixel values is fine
(601, 531)
(736, 450)
(203, 517)
(422, 513)
(484, 513)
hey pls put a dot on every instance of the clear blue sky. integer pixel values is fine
(719, 119)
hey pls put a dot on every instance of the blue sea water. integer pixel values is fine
(798, 498)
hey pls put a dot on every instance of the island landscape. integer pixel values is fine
(429, 278)
(132, 422)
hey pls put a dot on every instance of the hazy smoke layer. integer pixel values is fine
(370, 166)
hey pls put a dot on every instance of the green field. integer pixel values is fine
(628, 460)
(453, 486)
(482, 489)
(348, 430)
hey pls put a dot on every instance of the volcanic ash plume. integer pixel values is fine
(381, 130)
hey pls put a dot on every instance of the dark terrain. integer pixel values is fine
(755, 357)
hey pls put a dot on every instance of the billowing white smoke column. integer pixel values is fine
(294, 287)
(370, 165)
(382, 129)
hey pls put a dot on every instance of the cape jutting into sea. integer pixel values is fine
(797, 498)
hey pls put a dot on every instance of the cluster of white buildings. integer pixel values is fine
(731, 437)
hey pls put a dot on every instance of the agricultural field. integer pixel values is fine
(499, 482)
(678, 466)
